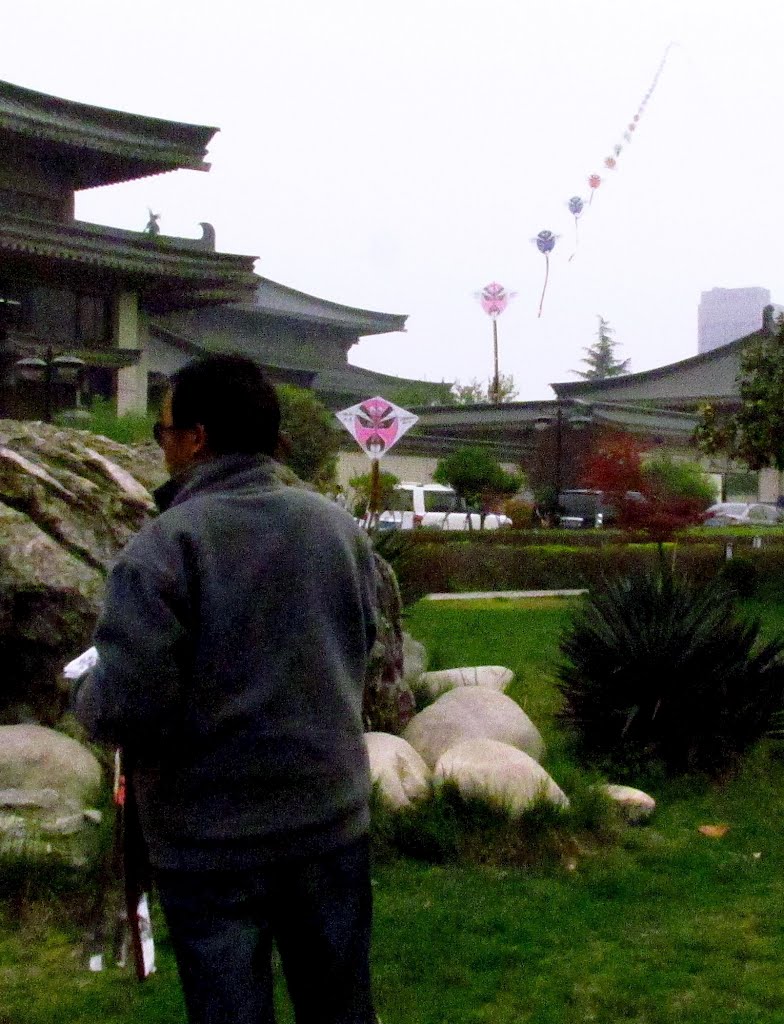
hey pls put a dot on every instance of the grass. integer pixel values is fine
(665, 925)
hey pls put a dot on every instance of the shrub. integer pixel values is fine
(130, 428)
(522, 513)
(740, 575)
(310, 434)
(659, 669)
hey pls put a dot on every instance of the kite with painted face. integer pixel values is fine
(376, 424)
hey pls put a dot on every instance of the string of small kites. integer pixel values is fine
(545, 240)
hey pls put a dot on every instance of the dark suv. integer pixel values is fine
(584, 509)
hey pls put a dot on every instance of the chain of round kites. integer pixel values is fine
(545, 240)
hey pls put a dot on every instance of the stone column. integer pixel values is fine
(768, 484)
(132, 380)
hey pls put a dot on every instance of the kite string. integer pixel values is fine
(546, 275)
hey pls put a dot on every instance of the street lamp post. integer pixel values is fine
(575, 417)
(47, 369)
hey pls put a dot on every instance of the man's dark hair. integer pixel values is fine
(232, 399)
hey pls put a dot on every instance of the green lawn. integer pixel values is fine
(667, 926)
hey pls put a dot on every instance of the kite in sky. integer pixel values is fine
(577, 205)
(545, 243)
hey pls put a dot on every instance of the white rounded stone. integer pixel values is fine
(471, 712)
(500, 772)
(492, 677)
(635, 805)
(401, 774)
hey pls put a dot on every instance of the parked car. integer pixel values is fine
(436, 506)
(742, 513)
(581, 509)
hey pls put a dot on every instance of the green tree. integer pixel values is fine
(311, 437)
(418, 393)
(476, 476)
(476, 393)
(755, 432)
(667, 478)
(600, 357)
(361, 486)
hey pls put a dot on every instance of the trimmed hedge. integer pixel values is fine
(741, 536)
(440, 567)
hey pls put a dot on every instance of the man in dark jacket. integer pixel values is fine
(232, 653)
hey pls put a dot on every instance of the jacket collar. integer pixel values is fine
(224, 472)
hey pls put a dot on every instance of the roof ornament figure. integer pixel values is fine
(152, 227)
(207, 235)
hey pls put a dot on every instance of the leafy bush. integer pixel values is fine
(659, 669)
(740, 575)
(361, 485)
(522, 513)
(668, 478)
(476, 475)
(130, 428)
(311, 437)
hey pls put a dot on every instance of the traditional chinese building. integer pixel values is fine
(125, 306)
(82, 289)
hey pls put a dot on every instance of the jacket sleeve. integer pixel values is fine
(134, 696)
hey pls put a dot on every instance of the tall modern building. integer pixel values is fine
(726, 314)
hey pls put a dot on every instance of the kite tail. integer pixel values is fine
(546, 275)
(576, 239)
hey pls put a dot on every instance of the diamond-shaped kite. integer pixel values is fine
(376, 424)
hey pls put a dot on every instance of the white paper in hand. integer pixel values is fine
(80, 666)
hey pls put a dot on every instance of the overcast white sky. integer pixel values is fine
(400, 155)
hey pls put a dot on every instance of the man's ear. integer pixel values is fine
(200, 445)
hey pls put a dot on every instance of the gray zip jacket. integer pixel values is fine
(233, 646)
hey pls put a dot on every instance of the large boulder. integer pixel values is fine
(400, 773)
(48, 783)
(471, 712)
(492, 677)
(499, 772)
(69, 501)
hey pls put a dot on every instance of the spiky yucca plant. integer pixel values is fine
(660, 669)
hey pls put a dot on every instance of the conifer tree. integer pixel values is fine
(600, 357)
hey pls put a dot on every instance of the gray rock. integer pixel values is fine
(634, 805)
(34, 759)
(469, 713)
(12, 826)
(69, 501)
(397, 769)
(66, 826)
(414, 659)
(46, 798)
(501, 773)
(492, 677)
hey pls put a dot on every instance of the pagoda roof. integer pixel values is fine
(709, 375)
(99, 146)
(166, 274)
(347, 382)
(286, 303)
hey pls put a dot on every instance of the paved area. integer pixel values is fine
(516, 595)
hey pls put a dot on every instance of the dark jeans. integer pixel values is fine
(318, 911)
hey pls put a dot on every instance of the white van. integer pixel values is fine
(435, 506)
